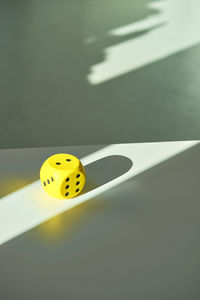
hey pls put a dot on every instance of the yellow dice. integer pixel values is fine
(62, 176)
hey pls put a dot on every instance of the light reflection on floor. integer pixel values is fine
(58, 229)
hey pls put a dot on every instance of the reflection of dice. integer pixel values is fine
(62, 176)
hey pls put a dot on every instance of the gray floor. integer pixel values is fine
(139, 240)
(46, 100)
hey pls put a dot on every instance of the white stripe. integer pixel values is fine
(178, 29)
(30, 206)
(144, 24)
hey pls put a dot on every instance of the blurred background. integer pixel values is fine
(98, 72)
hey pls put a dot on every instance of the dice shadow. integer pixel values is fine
(105, 170)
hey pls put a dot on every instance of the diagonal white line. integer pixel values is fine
(30, 206)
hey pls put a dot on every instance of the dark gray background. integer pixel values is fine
(46, 100)
(139, 240)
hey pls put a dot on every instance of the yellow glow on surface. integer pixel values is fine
(9, 184)
(61, 227)
(43, 201)
(52, 229)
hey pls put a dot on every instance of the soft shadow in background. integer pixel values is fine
(105, 170)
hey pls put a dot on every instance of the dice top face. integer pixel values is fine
(62, 176)
(63, 161)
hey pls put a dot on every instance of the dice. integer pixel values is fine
(62, 176)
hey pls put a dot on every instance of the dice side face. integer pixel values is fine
(62, 176)
(73, 184)
(51, 180)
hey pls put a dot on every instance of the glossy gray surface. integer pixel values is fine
(46, 100)
(139, 240)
